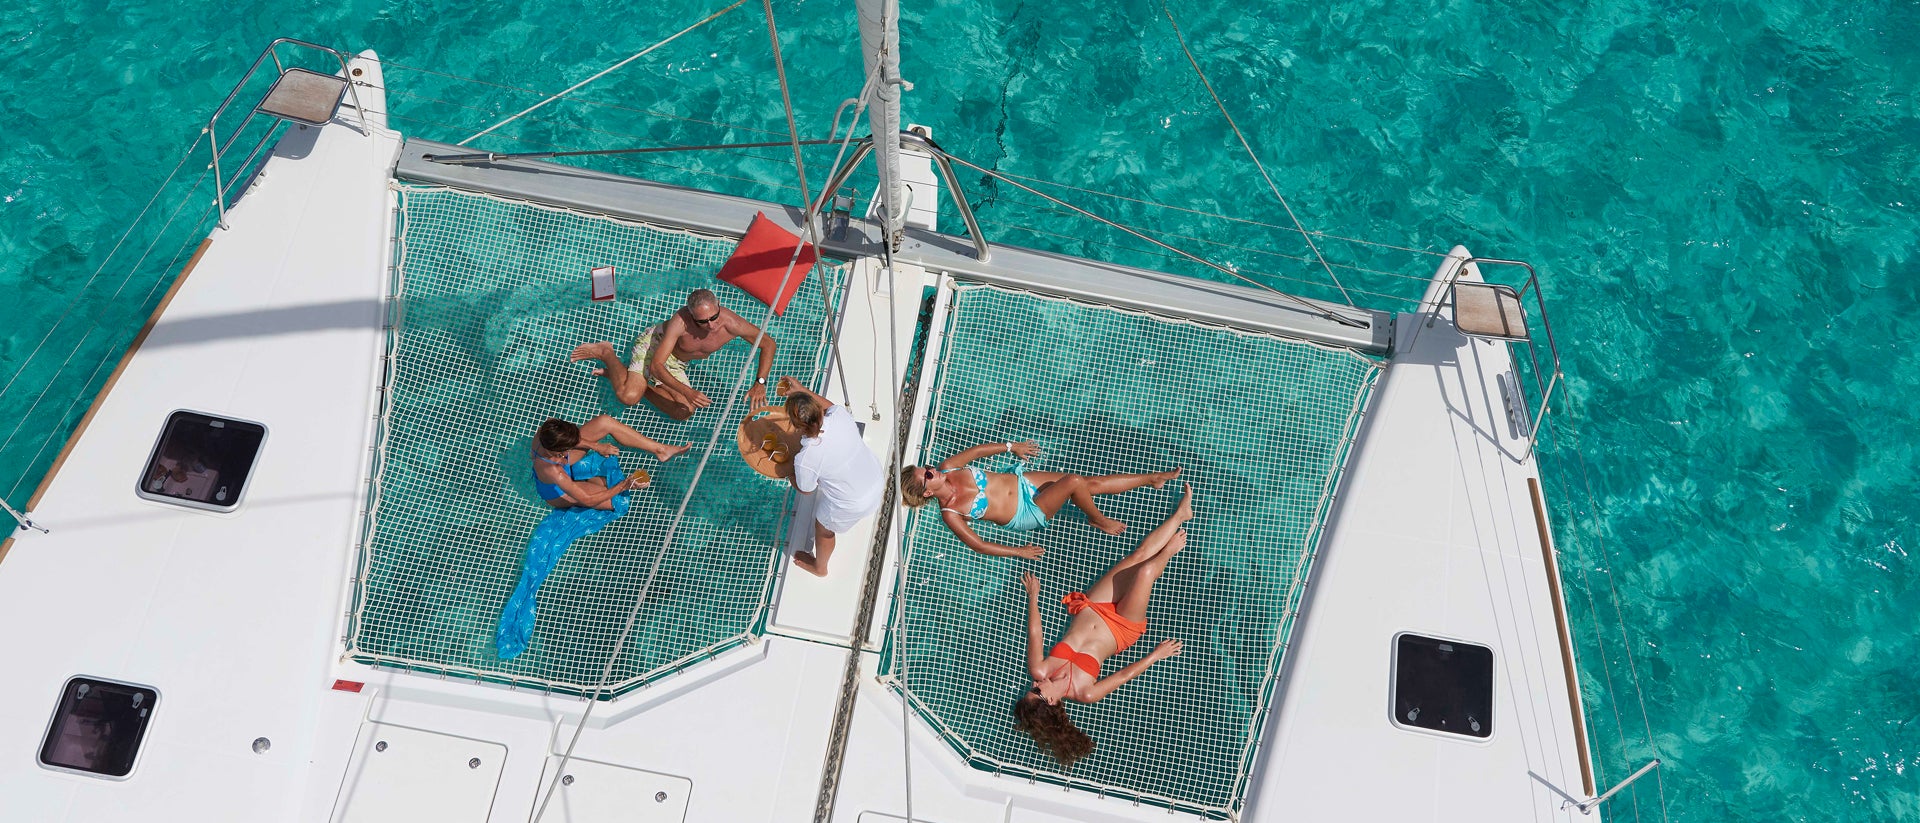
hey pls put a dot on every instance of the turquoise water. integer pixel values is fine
(1721, 199)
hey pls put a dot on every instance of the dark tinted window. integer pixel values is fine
(98, 726)
(1443, 685)
(202, 460)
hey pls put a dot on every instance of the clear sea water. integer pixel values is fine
(1720, 197)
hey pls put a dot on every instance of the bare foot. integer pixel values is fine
(1109, 525)
(806, 561)
(667, 452)
(1161, 478)
(593, 351)
(1185, 511)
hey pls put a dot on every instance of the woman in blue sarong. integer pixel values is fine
(574, 466)
(579, 476)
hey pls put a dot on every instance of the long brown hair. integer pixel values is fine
(1051, 728)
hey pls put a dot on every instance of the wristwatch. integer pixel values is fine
(759, 381)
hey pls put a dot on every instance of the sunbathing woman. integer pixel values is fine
(572, 467)
(1107, 619)
(1021, 501)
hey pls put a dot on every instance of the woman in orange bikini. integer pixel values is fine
(1110, 616)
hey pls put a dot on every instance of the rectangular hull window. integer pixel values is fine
(1443, 686)
(97, 727)
(201, 461)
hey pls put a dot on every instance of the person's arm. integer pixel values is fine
(593, 498)
(1106, 685)
(750, 333)
(790, 386)
(1035, 637)
(657, 363)
(1024, 449)
(975, 542)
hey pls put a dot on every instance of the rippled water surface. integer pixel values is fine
(1721, 199)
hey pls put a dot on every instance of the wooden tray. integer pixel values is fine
(753, 434)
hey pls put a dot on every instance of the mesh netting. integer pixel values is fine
(494, 297)
(1261, 425)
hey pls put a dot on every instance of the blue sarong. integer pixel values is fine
(550, 540)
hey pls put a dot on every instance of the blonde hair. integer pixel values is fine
(913, 487)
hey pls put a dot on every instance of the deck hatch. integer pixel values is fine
(97, 728)
(1443, 686)
(201, 461)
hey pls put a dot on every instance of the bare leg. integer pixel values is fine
(1135, 585)
(815, 562)
(627, 385)
(1150, 547)
(1054, 495)
(604, 425)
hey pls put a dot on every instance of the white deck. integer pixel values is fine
(236, 619)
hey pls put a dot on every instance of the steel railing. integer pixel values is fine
(221, 148)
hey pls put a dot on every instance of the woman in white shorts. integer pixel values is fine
(834, 464)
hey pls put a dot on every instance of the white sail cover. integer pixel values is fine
(880, 45)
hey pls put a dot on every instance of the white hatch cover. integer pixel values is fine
(593, 792)
(402, 775)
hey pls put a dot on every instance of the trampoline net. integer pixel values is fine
(491, 297)
(1261, 425)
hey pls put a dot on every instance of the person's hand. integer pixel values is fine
(1166, 649)
(1032, 583)
(701, 400)
(757, 396)
(604, 448)
(1026, 449)
(1028, 552)
(637, 480)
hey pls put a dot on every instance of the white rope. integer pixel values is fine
(786, 101)
(1256, 158)
(386, 65)
(571, 89)
(653, 571)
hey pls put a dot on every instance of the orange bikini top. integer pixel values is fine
(1083, 660)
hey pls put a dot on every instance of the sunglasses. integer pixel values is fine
(716, 316)
(926, 474)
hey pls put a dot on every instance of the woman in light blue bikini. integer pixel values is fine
(572, 467)
(1022, 500)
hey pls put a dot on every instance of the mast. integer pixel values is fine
(880, 47)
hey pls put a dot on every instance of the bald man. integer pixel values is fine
(663, 351)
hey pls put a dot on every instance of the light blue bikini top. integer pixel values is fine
(979, 509)
(588, 466)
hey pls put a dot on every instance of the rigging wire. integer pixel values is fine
(1249, 147)
(653, 571)
(1323, 312)
(604, 72)
(1198, 212)
(786, 101)
(384, 65)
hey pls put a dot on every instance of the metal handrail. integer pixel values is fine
(1545, 389)
(220, 148)
(1533, 354)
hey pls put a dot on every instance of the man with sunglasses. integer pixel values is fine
(663, 351)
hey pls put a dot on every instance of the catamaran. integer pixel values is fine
(262, 579)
